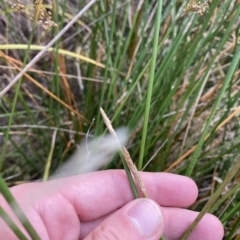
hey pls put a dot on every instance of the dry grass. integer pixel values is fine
(103, 61)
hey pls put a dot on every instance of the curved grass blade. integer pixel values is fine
(12, 225)
(17, 210)
(213, 199)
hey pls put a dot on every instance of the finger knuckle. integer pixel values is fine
(106, 233)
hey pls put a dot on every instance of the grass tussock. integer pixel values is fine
(166, 70)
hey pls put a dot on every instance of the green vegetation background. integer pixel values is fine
(179, 84)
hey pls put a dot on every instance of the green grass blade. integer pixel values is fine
(229, 75)
(150, 84)
(12, 225)
(17, 210)
(212, 199)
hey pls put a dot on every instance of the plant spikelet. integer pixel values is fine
(198, 7)
(44, 18)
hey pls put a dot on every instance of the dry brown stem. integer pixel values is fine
(107, 122)
(132, 168)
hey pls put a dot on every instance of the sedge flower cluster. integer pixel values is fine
(44, 19)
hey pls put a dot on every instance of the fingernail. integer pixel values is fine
(146, 216)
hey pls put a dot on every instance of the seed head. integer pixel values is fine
(44, 18)
(198, 7)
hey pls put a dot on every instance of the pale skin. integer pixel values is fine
(100, 205)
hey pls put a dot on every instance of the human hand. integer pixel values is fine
(100, 205)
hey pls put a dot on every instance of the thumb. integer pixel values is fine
(138, 220)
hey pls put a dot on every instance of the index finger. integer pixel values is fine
(96, 194)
